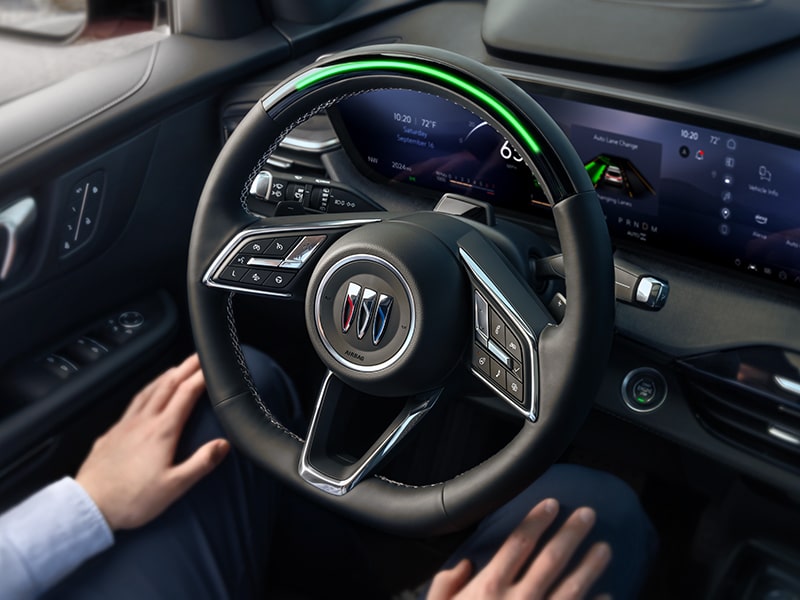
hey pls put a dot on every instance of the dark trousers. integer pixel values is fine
(216, 541)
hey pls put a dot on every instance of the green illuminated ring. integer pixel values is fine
(477, 93)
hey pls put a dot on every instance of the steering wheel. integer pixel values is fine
(395, 304)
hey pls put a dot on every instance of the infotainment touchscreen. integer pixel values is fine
(702, 192)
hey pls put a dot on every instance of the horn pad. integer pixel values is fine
(385, 305)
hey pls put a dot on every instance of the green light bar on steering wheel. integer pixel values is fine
(469, 89)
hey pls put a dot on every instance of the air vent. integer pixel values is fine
(752, 407)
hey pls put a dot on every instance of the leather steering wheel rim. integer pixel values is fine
(571, 356)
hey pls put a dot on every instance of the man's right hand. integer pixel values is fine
(502, 576)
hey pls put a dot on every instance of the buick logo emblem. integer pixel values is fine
(367, 310)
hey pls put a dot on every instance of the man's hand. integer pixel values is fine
(129, 472)
(501, 578)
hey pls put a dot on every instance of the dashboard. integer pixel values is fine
(712, 194)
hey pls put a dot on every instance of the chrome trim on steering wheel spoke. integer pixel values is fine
(397, 430)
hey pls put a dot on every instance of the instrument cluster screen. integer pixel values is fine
(705, 193)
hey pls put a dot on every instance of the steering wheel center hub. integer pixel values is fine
(387, 309)
(365, 313)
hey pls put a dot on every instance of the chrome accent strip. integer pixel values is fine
(316, 147)
(349, 306)
(528, 340)
(499, 353)
(784, 436)
(277, 230)
(14, 219)
(381, 318)
(262, 185)
(302, 252)
(274, 161)
(365, 311)
(339, 487)
(411, 325)
(787, 385)
(255, 261)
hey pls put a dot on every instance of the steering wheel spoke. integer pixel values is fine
(271, 260)
(327, 461)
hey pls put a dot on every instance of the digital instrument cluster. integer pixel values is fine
(704, 193)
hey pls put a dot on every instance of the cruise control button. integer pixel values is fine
(278, 280)
(280, 247)
(497, 327)
(480, 359)
(257, 246)
(512, 345)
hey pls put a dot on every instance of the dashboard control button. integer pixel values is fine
(131, 319)
(279, 247)
(240, 260)
(644, 389)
